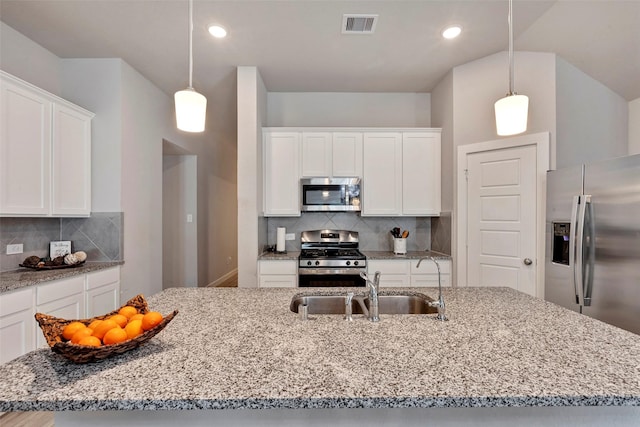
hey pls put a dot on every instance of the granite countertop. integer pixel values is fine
(16, 279)
(243, 348)
(275, 256)
(408, 255)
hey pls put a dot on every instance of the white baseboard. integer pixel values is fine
(223, 278)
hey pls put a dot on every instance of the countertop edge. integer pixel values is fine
(21, 278)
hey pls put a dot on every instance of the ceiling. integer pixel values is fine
(298, 47)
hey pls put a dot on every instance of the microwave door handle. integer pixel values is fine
(579, 264)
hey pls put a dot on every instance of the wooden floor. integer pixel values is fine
(27, 419)
(231, 282)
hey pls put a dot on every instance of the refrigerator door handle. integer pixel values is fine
(589, 223)
(573, 226)
(578, 267)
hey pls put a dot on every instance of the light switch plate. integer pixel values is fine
(16, 248)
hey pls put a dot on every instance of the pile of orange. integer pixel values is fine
(120, 327)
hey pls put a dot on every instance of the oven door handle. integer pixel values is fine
(328, 271)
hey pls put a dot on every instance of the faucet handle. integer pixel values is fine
(348, 311)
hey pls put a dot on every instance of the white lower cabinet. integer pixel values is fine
(78, 297)
(61, 298)
(17, 324)
(102, 292)
(278, 274)
(404, 272)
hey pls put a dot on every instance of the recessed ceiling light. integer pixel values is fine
(217, 31)
(452, 32)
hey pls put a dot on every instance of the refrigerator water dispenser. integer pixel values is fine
(560, 250)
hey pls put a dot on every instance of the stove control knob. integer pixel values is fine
(355, 262)
(317, 262)
(308, 262)
(348, 262)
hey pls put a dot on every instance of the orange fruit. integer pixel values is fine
(151, 320)
(71, 329)
(133, 328)
(94, 324)
(92, 341)
(138, 316)
(114, 336)
(128, 311)
(104, 327)
(84, 332)
(120, 319)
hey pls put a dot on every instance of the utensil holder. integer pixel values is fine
(399, 246)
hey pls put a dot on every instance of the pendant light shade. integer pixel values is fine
(511, 114)
(512, 110)
(191, 107)
(191, 110)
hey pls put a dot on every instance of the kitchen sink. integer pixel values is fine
(387, 304)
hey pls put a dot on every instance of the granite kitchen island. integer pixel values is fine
(502, 355)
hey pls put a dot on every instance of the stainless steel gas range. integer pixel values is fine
(330, 258)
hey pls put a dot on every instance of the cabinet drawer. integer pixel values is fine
(428, 267)
(102, 277)
(388, 266)
(430, 280)
(394, 280)
(12, 302)
(59, 289)
(278, 281)
(278, 267)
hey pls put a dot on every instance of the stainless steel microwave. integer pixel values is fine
(330, 194)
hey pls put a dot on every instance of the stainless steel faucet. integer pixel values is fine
(373, 295)
(440, 303)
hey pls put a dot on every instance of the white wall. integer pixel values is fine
(591, 119)
(251, 114)
(634, 126)
(442, 117)
(29, 61)
(349, 109)
(179, 237)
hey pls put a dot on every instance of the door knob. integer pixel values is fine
(527, 261)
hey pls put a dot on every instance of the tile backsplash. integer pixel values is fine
(373, 231)
(99, 235)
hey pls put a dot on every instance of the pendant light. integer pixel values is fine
(513, 109)
(191, 107)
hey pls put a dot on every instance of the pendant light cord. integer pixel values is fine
(510, 19)
(190, 44)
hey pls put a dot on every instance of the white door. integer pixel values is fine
(501, 215)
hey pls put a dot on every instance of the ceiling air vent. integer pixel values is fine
(359, 24)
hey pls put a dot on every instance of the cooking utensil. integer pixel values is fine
(405, 234)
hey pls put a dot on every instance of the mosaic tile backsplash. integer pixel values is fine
(373, 231)
(99, 235)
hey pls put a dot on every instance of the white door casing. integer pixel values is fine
(501, 213)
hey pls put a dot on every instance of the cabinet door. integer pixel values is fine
(347, 154)
(393, 273)
(25, 150)
(282, 177)
(17, 325)
(421, 173)
(103, 300)
(71, 165)
(316, 154)
(70, 307)
(382, 169)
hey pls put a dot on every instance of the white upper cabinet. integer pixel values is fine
(421, 173)
(281, 153)
(45, 147)
(347, 154)
(382, 168)
(25, 150)
(71, 162)
(331, 154)
(401, 173)
(316, 154)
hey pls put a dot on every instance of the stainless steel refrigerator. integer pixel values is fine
(592, 261)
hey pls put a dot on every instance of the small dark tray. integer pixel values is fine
(52, 267)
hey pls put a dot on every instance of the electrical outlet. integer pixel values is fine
(16, 248)
(290, 236)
